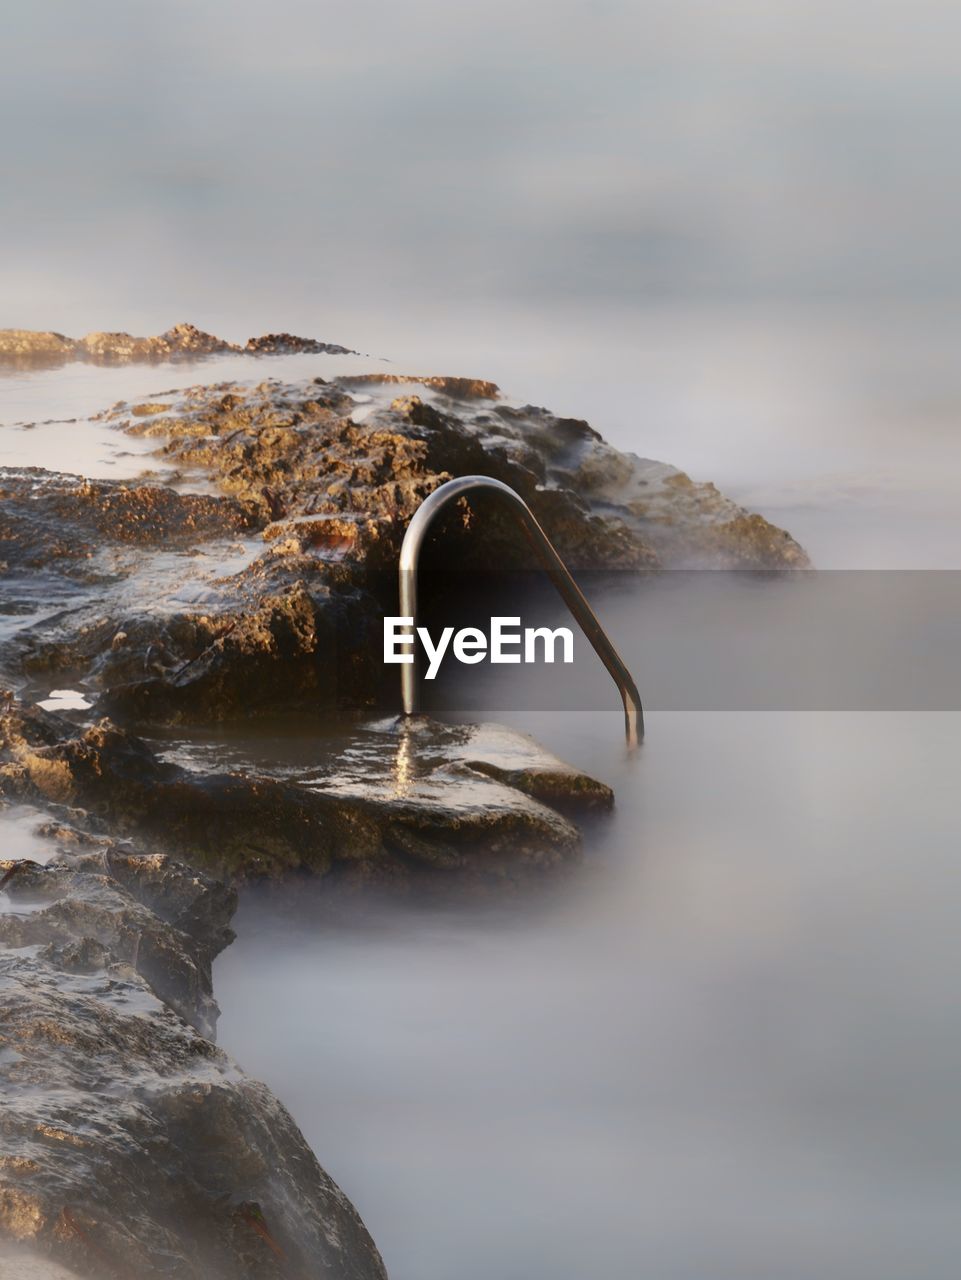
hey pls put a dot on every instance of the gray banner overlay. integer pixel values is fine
(706, 640)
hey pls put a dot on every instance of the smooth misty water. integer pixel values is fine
(730, 1048)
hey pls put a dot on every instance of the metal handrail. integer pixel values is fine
(556, 570)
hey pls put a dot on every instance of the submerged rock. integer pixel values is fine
(32, 347)
(130, 1147)
(395, 805)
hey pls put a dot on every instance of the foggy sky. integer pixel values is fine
(232, 160)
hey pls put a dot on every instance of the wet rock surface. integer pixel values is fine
(31, 347)
(315, 483)
(64, 523)
(395, 805)
(130, 1147)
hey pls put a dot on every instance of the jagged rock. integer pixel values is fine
(321, 477)
(45, 516)
(277, 637)
(181, 340)
(284, 344)
(31, 344)
(130, 1147)
(316, 449)
(84, 545)
(101, 908)
(18, 1264)
(300, 452)
(28, 346)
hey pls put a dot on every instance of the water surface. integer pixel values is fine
(730, 1047)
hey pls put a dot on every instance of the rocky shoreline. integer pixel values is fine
(32, 348)
(400, 806)
(243, 581)
(308, 489)
(131, 1146)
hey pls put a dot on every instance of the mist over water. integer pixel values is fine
(299, 161)
(729, 1046)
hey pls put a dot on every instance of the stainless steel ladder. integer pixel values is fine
(553, 564)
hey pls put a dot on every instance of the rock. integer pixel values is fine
(81, 546)
(183, 341)
(390, 804)
(285, 344)
(45, 516)
(275, 639)
(317, 483)
(142, 913)
(480, 802)
(16, 1264)
(299, 452)
(30, 344)
(130, 1147)
(454, 388)
(520, 763)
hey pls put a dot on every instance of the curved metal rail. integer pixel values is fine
(555, 567)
